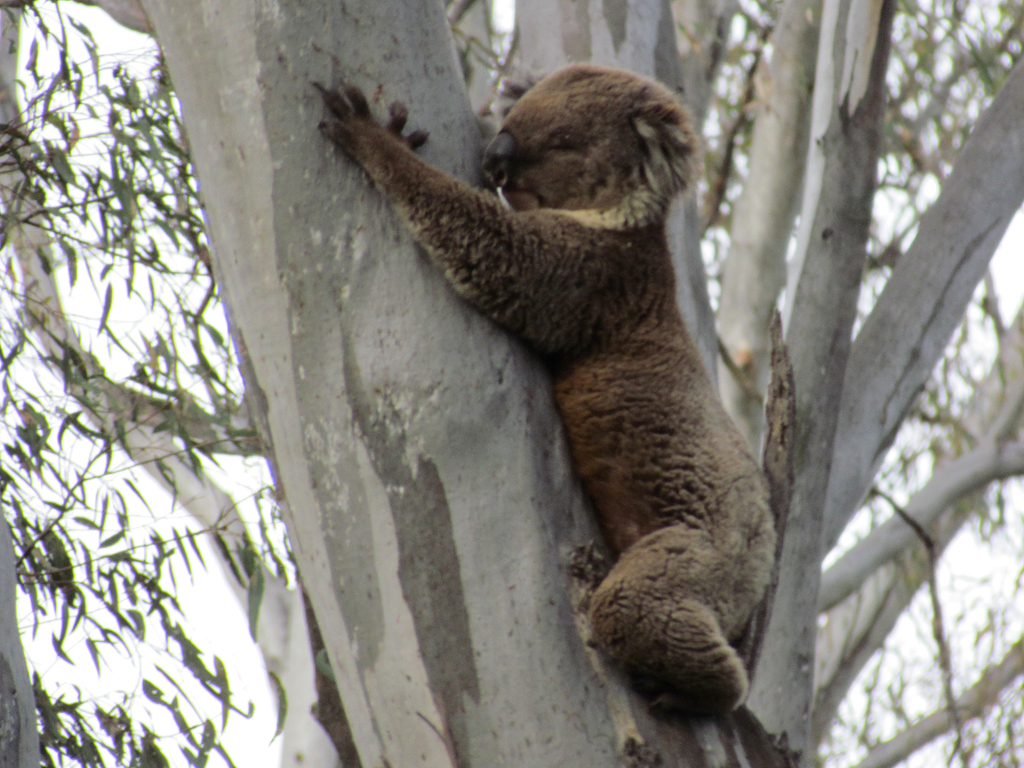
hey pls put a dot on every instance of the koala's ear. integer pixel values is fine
(514, 86)
(669, 146)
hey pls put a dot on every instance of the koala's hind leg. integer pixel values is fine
(644, 615)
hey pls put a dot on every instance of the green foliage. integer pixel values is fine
(98, 188)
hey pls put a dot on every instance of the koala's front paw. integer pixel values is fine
(351, 119)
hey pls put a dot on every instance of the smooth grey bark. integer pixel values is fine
(312, 264)
(19, 737)
(823, 307)
(925, 298)
(701, 35)
(754, 272)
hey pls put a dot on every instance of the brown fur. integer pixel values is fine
(590, 160)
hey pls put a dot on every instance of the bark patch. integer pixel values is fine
(428, 560)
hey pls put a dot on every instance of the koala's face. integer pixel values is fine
(592, 139)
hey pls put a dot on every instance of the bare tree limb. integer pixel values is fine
(701, 35)
(974, 702)
(856, 628)
(154, 450)
(925, 298)
(965, 475)
(938, 629)
(762, 219)
(823, 307)
(720, 183)
(19, 747)
(859, 625)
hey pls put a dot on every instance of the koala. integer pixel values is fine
(574, 261)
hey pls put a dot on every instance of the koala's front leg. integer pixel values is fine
(514, 267)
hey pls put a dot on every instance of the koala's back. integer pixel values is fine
(654, 447)
(680, 500)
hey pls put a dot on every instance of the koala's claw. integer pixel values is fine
(417, 139)
(334, 102)
(399, 115)
(359, 104)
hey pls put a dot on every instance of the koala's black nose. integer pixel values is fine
(498, 158)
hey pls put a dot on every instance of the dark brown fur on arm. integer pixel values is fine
(517, 268)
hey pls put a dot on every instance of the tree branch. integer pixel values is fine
(106, 403)
(938, 629)
(972, 703)
(925, 298)
(20, 743)
(762, 219)
(856, 627)
(819, 343)
(965, 475)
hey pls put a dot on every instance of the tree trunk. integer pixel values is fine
(19, 739)
(432, 509)
(762, 221)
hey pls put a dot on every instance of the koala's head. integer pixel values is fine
(601, 141)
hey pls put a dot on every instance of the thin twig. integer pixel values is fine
(742, 377)
(457, 10)
(945, 663)
(716, 194)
